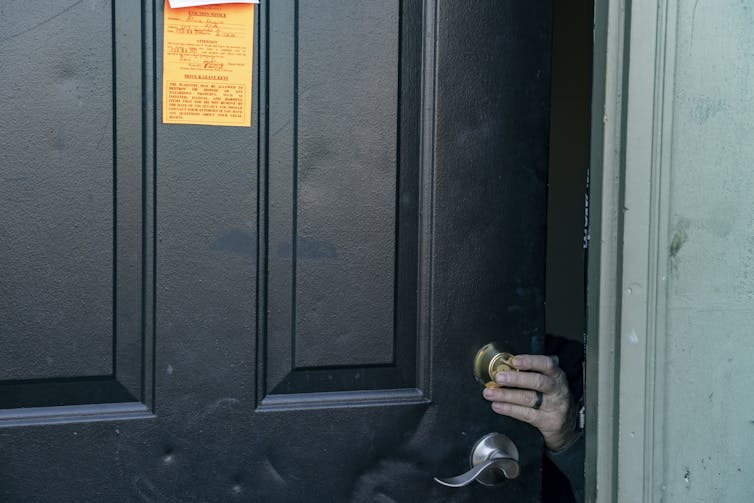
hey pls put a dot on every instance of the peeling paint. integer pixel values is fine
(679, 239)
(633, 338)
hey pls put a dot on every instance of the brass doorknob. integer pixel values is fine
(491, 359)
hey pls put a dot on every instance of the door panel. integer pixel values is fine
(64, 216)
(346, 73)
(338, 244)
(74, 222)
(287, 312)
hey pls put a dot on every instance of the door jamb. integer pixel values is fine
(632, 100)
(606, 159)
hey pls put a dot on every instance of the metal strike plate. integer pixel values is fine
(491, 359)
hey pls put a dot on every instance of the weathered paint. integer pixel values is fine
(707, 432)
(672, 278)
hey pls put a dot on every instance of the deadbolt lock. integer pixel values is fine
(491, 359)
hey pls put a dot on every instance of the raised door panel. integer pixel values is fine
(339, 224)
(75, 235)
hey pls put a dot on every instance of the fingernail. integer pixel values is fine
(502, 377)
(518, 361)
(488, 393)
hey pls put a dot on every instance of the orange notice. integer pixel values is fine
(207, 65)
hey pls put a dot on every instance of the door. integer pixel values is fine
(287, 312)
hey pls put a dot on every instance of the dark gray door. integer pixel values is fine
(282, 313)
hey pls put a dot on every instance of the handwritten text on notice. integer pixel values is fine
(207, 74)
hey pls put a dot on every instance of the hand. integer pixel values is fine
(556, 416)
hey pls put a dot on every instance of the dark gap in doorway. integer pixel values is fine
(573, 24)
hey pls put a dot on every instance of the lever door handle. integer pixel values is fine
(494, 459)
(484, 471)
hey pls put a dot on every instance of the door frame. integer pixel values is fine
(632, 97)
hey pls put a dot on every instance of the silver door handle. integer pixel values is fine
(494, 459)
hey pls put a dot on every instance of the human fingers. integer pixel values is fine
(520, 412)
(557, 427)
(523, 397)
(547, 365)
(527, 380)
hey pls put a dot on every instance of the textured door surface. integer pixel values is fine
(286, 312)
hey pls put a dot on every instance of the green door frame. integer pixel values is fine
(602, 267)
(628, 263)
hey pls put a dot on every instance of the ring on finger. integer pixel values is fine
(538, 401)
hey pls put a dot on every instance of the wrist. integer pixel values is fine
(563, 441)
